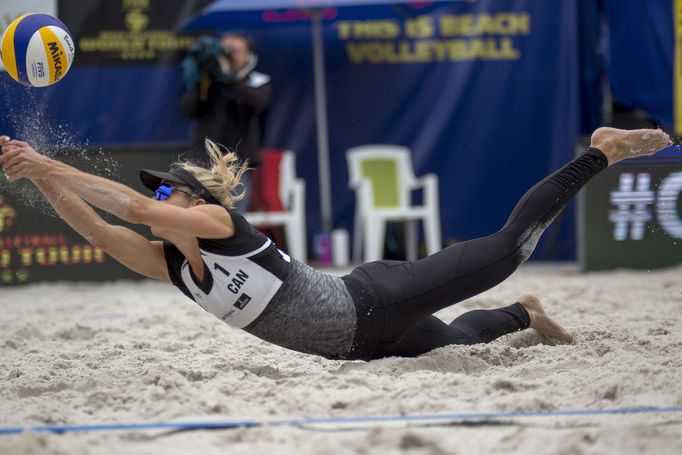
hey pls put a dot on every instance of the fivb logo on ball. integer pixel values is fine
(37, 50)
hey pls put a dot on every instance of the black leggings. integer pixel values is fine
(395, 300)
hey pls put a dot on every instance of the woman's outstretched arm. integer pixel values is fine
(126, 246)
(20, 160)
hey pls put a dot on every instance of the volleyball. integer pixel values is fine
(37, 50)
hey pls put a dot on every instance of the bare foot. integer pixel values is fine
(620, 145)
(540, 321)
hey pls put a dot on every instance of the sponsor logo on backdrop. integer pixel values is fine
(128, 31)
(7, 214)
(637, 204)
(632, 215)
(23, 253)
(435, 38)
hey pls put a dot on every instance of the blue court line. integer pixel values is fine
(229, 424)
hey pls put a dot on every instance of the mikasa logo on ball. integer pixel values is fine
(56, 54)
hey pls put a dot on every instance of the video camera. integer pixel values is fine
(202, 59)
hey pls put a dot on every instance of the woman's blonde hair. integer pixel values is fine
(223, 178)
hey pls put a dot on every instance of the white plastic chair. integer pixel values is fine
(292, 196)
(383, 180)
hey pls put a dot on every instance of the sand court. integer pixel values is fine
(140, 352)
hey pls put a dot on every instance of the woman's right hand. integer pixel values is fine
(20, 160)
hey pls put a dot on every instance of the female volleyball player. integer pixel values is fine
(380, 309)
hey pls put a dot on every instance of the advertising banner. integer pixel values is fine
(36, 245)
(128, 32)
(631, 214)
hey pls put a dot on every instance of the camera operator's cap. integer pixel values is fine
(154, 179)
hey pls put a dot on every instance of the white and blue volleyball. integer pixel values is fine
(37, 50)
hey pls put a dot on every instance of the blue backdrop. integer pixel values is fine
(639, 55)
(488, 126)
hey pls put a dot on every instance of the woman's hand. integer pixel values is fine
(20, 160)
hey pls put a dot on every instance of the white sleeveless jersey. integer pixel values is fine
(241, 274)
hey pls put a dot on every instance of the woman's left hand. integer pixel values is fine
(20, 160)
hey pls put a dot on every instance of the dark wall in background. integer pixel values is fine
(631, 214)
(35, 245)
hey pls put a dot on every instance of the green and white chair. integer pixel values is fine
(383, 180)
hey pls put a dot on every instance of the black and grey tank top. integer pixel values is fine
(241, 274)
(251, 284)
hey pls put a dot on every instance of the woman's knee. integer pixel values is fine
(518, 243)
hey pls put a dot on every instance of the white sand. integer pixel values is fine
(141, 352)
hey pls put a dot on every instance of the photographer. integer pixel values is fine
(226, 97)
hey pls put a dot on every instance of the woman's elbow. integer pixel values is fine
(138, 211)
(99, 236)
